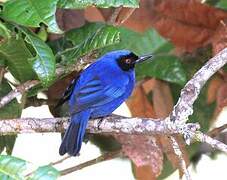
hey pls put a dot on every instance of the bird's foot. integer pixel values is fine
(100, 122)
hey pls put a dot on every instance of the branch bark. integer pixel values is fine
(19, 90)
(190, 92)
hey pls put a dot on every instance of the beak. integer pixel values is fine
(143, 58)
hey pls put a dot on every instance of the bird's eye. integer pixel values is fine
(128, 61)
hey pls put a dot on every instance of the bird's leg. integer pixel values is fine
(100, 121)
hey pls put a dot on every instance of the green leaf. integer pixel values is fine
(11, 110)
(32, 13)
(7, 142)
(45, 173)
(168, 68)
(16, 55)
(4, 32)
(11, 167)
(77, 4)
(44, 61)
(93, 39)
(222, 4)
(146, 43)
(78, 35)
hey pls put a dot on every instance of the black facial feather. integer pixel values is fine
(127, 62)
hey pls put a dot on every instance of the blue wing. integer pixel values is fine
(95, 93)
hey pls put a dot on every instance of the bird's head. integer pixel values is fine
(126, 59)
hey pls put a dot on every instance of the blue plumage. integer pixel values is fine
(99, 90)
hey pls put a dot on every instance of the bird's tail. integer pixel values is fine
(74, 134)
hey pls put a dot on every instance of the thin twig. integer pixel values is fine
(182, 162)
(19, 90)
(199, 136)
(104, 157)
(60, 160)
(2, 72)
(216, 131)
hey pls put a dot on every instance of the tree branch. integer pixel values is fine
(104, 157)
(190, 92)
(182, 163)
(19, 90)
(110, 124)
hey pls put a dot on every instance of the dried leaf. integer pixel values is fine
(172, 18)
(55, 91)
(162, 99)
(222, 97)
(144, 173)
(163, 104)
(212, 89)
(144, 151)
(139, 105)
(191, 12)
(175, 31)
(219, 40)
(68, 19)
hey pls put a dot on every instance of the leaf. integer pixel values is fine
(11, 110)
(44, 61)
(104, 36)
(76, 4)
(146, 43)
(222, 4)
(213, 87)
(32, 13)
(11, 167)
(148, 154)
(4, 32)
(45, 172)
(168, 68)
(16, 55)
(78, 35)
(7, 142)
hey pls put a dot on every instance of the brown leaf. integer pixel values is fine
(213, 87)
(162, 99)
(189, 24)
(56, 90)
(148, 85)
(191, 12)
(144, 151)
(139, 105)
(222, 97)
(68, 19)
(163, 104)
(176, 32)
(144, 173)
(219, 40)
(93, 14)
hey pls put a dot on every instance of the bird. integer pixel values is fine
(101, 88)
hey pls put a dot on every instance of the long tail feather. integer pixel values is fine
(74, 134)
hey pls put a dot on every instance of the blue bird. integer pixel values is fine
(99, 90)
